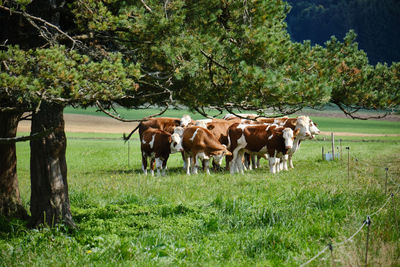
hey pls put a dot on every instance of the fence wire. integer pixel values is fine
(329, 246)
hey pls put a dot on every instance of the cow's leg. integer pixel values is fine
(241, 167)
(194, 163)
(253, 161)
(144, 163)
(233, 164)
(159, 165)
(247, 160)
(186, 160)
(258, 161)
(272, 164)
(205, 160)
(291, 161)
(152, 163)
(206, 165)
(228, 160)
(285, 160)
(164, 166)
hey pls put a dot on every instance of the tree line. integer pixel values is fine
(376, 23)
(223, 55)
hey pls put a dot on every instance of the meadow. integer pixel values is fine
(125, 218)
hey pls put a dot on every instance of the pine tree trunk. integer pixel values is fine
(49, 188)
(10, 201)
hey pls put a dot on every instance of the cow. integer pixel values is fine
(307, 127)
(219, 128)
(157, 145)
(200, 144)
(162, 123)
(273, 140)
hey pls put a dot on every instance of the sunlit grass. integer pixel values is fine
(127, 218)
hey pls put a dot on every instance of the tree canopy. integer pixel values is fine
(221, 54)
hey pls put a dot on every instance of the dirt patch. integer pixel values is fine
(88, 124)
(98, 124)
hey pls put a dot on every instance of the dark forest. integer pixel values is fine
(376, 22)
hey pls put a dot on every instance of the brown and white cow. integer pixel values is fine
(307, 127)
(219, 128)
(162, 123)
(157, 145)
(271, 140)
(200, 144)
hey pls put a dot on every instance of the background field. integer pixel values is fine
(126, 218)
(328, 120)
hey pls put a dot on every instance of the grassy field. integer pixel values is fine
(128, 219)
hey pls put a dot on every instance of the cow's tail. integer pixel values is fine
(229, 142)
(126, 138)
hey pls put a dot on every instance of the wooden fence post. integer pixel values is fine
(386, 169)
(128, 153)
(348, 163)
(333, 146)
(368, 222)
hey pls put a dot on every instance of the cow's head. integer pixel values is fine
(185, 121)
(219, 155)
(303, 124)
(313, 128)
(176, 143)
(288, 136)
(178, 130)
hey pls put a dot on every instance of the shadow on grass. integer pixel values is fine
(11, 227)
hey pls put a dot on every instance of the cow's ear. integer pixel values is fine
(177, 122)
(296, 132)
(210, 127)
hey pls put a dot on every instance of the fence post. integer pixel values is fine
(386, 169)
(348, 163)
(394, 209)
(333, 146)
(128, 153)
(341, 150)
(368, 222)
(332, 258)
(323, 153)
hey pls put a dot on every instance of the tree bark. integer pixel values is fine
(10, 201)
(49, 188)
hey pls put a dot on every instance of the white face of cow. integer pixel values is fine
(176, 144)
(313, 128)
(303, 124)
(288, 137)
(185, 120)
(178, 130)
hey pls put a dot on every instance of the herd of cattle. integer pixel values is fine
(238, 138)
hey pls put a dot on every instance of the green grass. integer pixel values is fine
(128, 219)
(357, 126)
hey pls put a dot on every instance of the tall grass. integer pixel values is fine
(126, 218)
